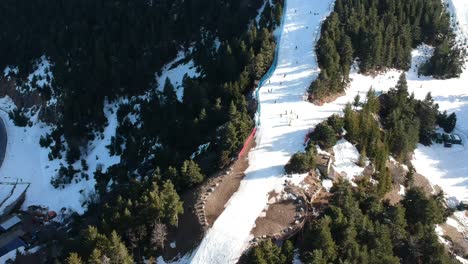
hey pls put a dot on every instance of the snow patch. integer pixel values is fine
(175, 71)
(327, 184)
(26, 160)
(402, 191)
(346, 159)
(9, 69)
(42, 74)
(202, 148)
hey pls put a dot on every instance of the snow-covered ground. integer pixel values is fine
(346, 159)
(447, 167)
(175, 71)
(25, 159)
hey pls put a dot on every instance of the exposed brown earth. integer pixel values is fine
(189, 232)
(460, 243)
(326, 99)
(224, 186)
(277, 217)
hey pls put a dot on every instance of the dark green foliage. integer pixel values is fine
(407, 120)
(427, 112)
(96, 247)
(447, 122)
(45, 141)
(446, 62)
(18, 117)
(336, 122)
(324, 135)
(359, 228)
(268, 253)
(301, 162)
(190, 174)
(381, 33)
(421, 209)
(390, 124)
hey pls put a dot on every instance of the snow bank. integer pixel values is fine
(346, 159)
(175, 71)
(25, 159)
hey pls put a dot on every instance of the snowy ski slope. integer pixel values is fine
(285, 119)
(276, 139)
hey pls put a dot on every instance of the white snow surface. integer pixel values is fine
(447, 167)
(346, 158)
(402, 191)
(25, 159)
(176, 74)
(327, 184)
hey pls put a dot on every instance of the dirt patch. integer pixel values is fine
(460, 244)
(326, 99)
(221, 188)
(189, 232)
(423, 182)
(393, 196)
(277, 217)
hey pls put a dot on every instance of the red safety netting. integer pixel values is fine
(247, 142)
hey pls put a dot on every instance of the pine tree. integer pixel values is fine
(74, 258)
(190, 173)
(324, 135)
(316, 257)
(171, 204)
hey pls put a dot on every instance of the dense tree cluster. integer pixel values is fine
(391, 124)
(98, 248)
(301, 162)
(106, 50)
(358, 227)
(381, 34)
(268, 253)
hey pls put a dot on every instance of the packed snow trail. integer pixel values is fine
(285, 120)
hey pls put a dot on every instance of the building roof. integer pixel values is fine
(10, 222)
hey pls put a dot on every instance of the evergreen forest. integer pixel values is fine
(381, 34)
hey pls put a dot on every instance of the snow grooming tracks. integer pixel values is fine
(277, 139)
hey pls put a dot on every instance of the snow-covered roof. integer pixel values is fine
(10, 222)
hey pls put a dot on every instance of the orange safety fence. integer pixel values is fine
(247, 142)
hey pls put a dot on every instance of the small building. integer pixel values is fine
(9, 223)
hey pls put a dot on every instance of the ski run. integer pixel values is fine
(286, 117)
